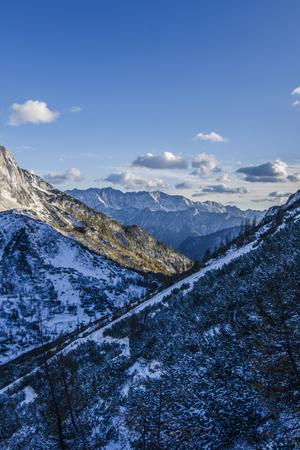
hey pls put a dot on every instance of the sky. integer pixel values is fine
(197, 98)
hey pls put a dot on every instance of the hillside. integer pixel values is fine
(170, 218)
(51, 282)
(129, 246)
(213, 362)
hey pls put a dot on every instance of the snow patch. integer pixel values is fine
(143, 369)
(30, 395)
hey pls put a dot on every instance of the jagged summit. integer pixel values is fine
(116, 199)
(129, 246)
(6, 156)
(19, 189)
(152, 200)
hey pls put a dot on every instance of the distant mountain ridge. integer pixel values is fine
(130, 246)
(111, 198)
(170, 218)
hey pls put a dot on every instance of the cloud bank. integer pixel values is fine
(220, 189)
(184, 185)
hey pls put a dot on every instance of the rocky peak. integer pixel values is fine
(8, 166)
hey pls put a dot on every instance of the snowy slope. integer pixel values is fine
(290, 211)
(49, 279)
(186, 284)
(94, 333)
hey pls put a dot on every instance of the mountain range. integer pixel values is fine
(172, 219)
(210, 362)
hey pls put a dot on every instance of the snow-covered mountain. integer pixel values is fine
(130, 246)
(211, 362)
(113, 199)
(51, 281)
(170, 218)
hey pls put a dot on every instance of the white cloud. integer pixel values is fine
(166, 160)
(31, 111)
(220, 189)
(132, 181)
(72, 174)
(75, 109)
(210, 137)
(296, 91)
(269, 172)
(296, 103)
(203, 164)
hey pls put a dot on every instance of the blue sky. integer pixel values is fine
(148, 77)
